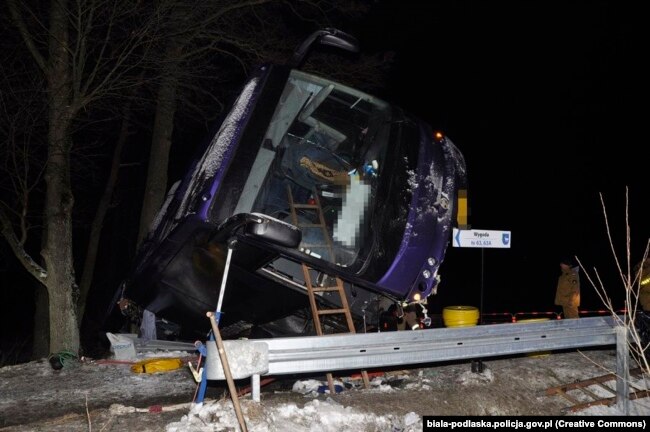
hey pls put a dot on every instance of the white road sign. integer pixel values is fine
(481, 238)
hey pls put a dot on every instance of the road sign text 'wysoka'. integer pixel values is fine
(481, 238)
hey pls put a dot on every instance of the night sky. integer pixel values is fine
(546, 101)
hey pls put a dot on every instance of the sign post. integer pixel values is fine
(473, 238)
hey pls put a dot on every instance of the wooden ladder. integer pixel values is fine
(315, 289)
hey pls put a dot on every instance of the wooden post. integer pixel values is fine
(226, 371)
(622, 370)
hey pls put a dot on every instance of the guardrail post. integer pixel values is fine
(622, 371)
(255, 387)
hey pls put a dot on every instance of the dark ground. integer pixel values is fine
(83, 397)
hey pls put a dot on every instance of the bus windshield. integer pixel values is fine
(319, 165)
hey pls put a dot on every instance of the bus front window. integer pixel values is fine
(324, 147)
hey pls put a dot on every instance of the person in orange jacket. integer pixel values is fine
(642, 271)
(567, 293)
(642, 315)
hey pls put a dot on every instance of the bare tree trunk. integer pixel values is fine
(83, 65)
(161, 141)
(41, 333)
(57, 251)
(100, 214)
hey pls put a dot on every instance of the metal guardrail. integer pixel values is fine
(363, 351)
(252, 358)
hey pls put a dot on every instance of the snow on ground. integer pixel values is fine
(34, 397)
(316, 415)
(332, 416)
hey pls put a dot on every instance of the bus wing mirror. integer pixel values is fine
(274, 231)
(259, 226)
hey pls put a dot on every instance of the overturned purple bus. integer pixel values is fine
(387, 189)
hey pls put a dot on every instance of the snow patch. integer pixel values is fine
(213, 156)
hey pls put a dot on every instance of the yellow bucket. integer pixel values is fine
(539, 353)
(460, 316)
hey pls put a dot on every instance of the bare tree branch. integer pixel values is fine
(23, 257)
(631, 283)
(100, 213)
(27, 37)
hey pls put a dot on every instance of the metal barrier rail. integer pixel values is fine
(362, 351)
(279, 356)
(504, 317)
